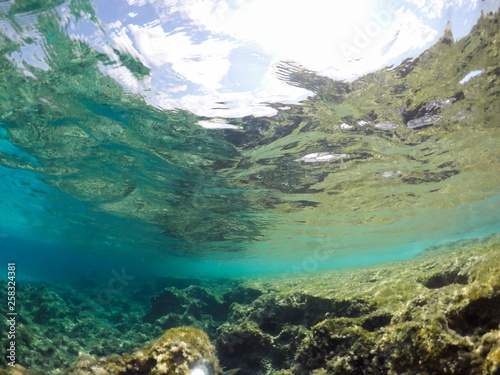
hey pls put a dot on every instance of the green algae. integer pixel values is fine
(176, 352)
(102, 145)
(435, 313)
(62, 320)
(441, 167)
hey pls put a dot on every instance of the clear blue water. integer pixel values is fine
(98, 175)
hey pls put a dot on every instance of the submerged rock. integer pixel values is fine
(180, 351)
(192, 306)
(423, 121)
(434, 314)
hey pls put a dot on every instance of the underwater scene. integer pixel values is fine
(251, 187)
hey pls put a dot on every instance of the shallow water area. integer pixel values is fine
(171, 164)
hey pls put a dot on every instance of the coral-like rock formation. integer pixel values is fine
(180, 351)
(177, 352)
(192, 306)
(437, 313)
(17, 370)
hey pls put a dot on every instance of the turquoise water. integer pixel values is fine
(96, 174)
(256, 169)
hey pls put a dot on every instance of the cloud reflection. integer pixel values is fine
(204, 53)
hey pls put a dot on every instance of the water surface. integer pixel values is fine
(104, 162)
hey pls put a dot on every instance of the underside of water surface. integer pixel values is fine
(92, 171)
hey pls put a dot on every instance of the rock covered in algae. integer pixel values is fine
(437, 313)
(178, 352)
(17, 370)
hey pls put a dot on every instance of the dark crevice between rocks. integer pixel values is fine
(376, 322)
(477, 318)
(242, 295)
(276, 326)
(308, 311)
(243, 344)
(195, 305)
(440, 280)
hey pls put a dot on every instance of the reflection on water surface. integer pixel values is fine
(373, 167)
